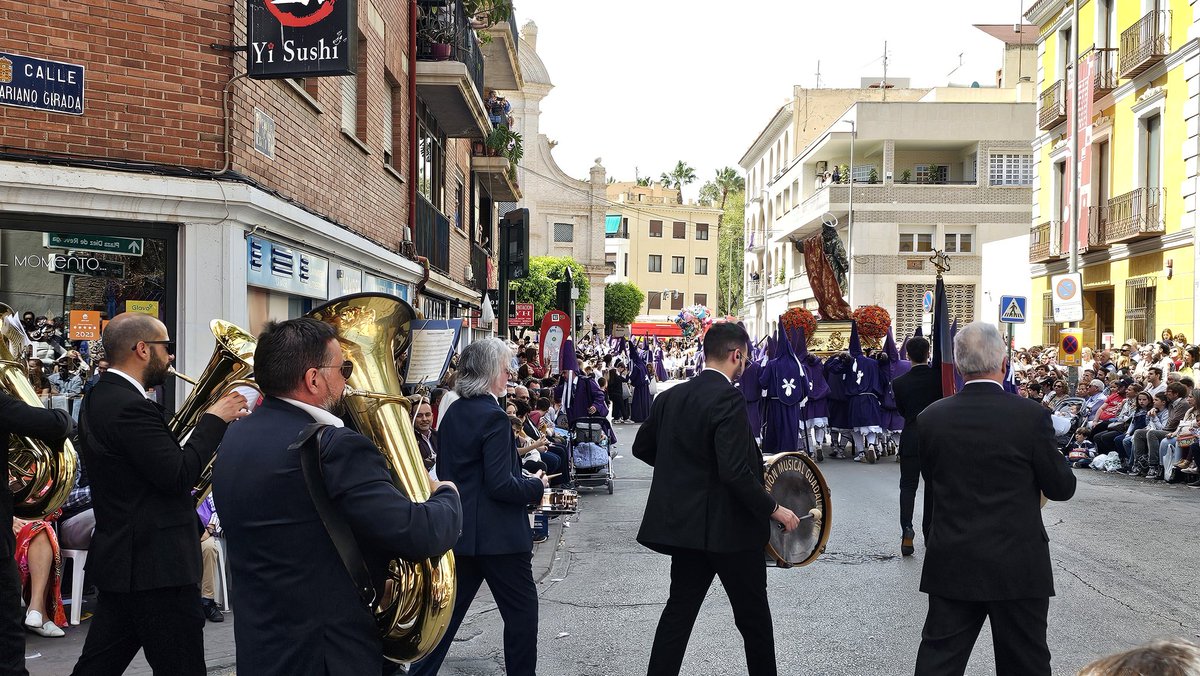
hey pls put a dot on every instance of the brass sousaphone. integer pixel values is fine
(413, 607)
(40, 475)
(795, 482)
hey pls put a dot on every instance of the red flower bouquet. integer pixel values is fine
(873, 322)
(799, 318)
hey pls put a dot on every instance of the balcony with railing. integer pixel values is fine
(1052, 110)
(1097, 226)
(1135, 215)
(1104, 71)
(433, 235)
(1045, 242)
(754, 290)
(1145, 43)
(450, 71)
(479, 268)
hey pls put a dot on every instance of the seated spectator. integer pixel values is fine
(528, 449)
(1169, 449)
(552, 454)
(210, 559)
(40, 566)
(37, 378)
(1156, 421)
(1057, 394)
(1108, 440)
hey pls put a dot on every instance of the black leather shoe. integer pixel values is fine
(211, 611)
(906, 542)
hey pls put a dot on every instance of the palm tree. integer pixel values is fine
(643, 181)
(729, 180)
(683, 175)
(665, 179)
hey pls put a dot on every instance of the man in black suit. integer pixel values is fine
(987, 457)
(479, 454)
(299, 611)
(707, 508)
(50, 426)
(145, 554)
(914, 391)
(427, 437)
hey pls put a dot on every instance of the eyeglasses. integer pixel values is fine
(347, 368)
(168, 344)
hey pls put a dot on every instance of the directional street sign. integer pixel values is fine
(1012, 309)
(121, 246)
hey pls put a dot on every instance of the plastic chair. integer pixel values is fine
(222, 580)
(78, 560)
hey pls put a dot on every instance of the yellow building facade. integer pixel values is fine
(1139, 102)
(667, 247)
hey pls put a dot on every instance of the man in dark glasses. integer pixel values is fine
(277, 535)
(145, 553)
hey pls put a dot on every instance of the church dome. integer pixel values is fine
(532, 69)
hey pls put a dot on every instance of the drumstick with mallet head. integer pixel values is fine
(813, 513)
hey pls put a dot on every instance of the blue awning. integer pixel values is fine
(612, 224)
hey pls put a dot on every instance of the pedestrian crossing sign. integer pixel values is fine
(1012, 309)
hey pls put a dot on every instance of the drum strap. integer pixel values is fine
(309, 445)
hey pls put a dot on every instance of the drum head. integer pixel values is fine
(795, 482)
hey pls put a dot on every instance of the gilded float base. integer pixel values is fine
(833, 336)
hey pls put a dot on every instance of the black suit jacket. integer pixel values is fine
(141, 489)
(479, 454)
(707, 492)
(915, 391)
(987, 455)
(17, 417)
(298, 610)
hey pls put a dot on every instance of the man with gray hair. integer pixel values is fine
(479, 454)
(987, 458)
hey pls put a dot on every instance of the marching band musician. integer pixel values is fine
(698, 435)
(145, 553)
(300, 612)
(51, 426)
(479, 453)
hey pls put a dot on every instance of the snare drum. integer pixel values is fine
(559, 501)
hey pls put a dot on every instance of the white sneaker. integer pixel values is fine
(860, 457)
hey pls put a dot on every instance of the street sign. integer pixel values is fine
(1070, 341)
(523, 316)
(121, 246)
(1012, 309)
(927, 302)
(83, 325)
(1067, 293)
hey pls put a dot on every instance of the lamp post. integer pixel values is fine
(850, 219)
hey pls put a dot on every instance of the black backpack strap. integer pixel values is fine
(309, 445)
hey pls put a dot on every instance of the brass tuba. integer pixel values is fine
(413, 608)
(230, 366)
(40, 477)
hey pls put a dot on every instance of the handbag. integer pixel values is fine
(627, 391)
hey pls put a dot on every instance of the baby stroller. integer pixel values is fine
(591, 463)
(1069, 415)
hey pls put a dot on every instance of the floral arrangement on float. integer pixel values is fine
(693, 319)
(873, 323)
(799, 318)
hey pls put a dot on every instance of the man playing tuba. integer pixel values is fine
(299, 609)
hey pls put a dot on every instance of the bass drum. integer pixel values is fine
(795, 482)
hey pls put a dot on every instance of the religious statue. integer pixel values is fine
(835, 253)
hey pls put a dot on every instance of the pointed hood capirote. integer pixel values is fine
(855, 344)
(568, 361)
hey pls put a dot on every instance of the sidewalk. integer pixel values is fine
(56, 656)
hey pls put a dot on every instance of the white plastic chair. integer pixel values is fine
(78, 560)
(222, 580)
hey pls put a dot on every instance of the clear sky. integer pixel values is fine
(644, 83)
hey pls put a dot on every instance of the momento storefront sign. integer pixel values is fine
(52, 86)
(301, 38)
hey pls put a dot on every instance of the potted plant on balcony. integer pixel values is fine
(505, 142)
(906, 176)
(486, 13)
(845, 169)
(873, 176)
(435, 27)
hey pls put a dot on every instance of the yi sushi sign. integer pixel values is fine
(301, 38)
(40, 84)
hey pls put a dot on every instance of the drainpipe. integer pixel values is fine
(412, 147)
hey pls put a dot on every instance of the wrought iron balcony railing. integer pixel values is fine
(1053, 108)
(1135, 215)
(1097, 237)
(444, 33)
(1145, 43)
(433, 235)
(1104, 71)
(1045, 242)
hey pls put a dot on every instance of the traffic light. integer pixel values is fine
(514, 243)
(562, 295)
(578, 323)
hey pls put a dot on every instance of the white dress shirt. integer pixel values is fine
(318, 414)
(134, 381)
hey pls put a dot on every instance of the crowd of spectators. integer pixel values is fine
(1133, 410)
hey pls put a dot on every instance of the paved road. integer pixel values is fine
(1122, 549)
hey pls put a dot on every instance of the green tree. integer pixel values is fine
(682, 175)
(710, 194)
(729, 180)
(544, 273)
(622, 303)
(732, 248)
